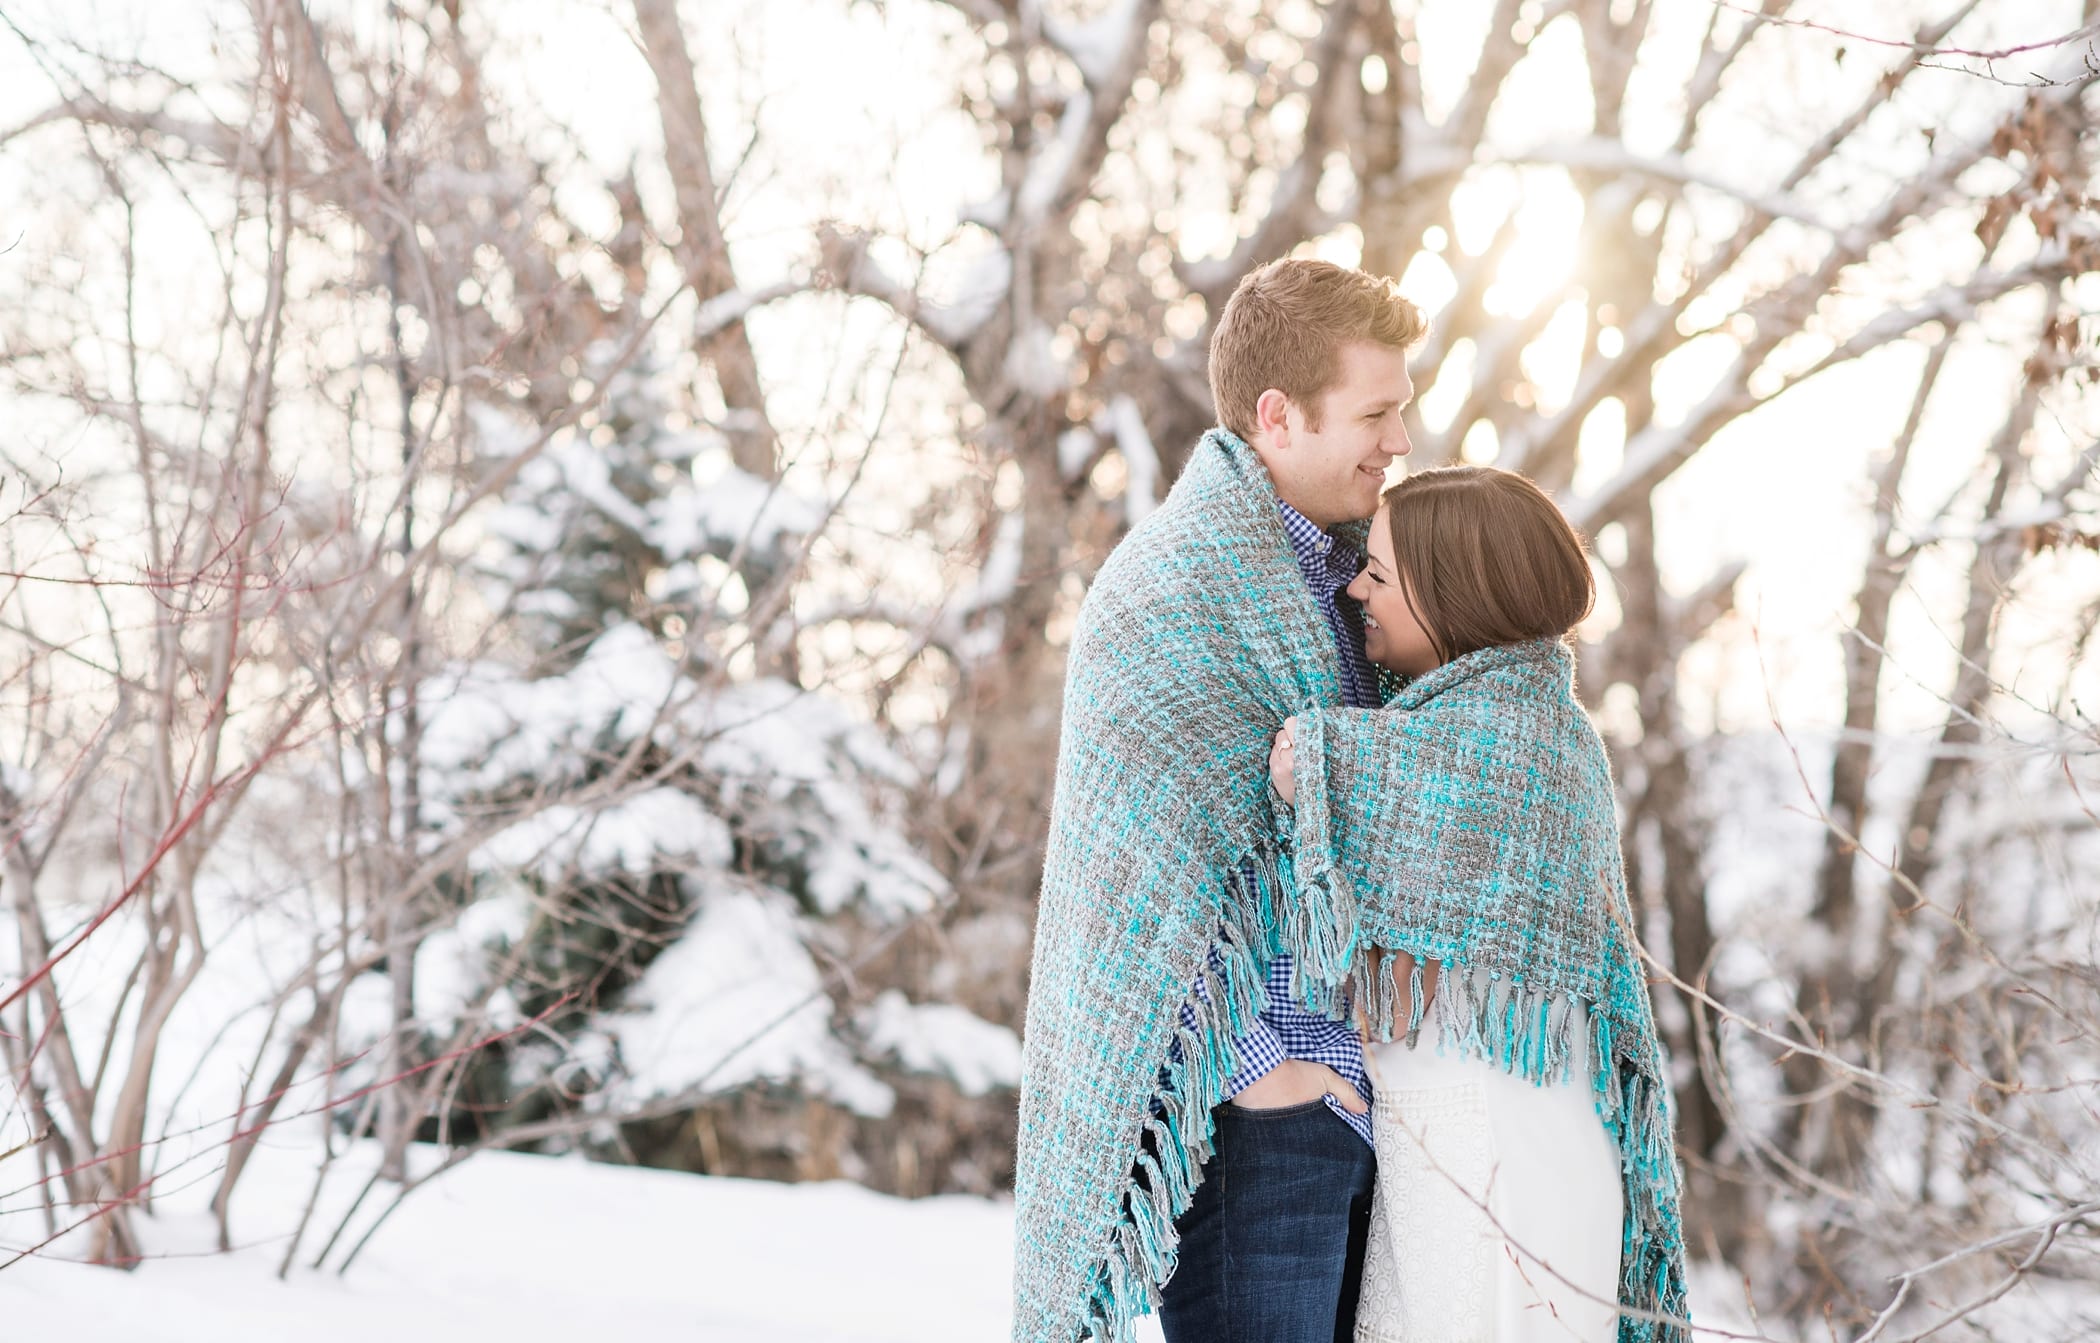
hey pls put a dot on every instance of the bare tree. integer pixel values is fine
(1759, 205)
(1328, 132)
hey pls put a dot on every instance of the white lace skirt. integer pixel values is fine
(1497, 1216)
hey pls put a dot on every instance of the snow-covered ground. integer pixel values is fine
(519, 1248)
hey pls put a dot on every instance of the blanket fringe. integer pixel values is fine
(1175, 1139)
(1322, 923)
(1532, 1034)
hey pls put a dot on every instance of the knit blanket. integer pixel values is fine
(1471, 822)
(1194, 643)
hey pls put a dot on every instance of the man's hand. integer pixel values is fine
(1296, 1081)
(1281, 760)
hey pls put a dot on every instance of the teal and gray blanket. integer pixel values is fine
(1196, 640)
(1470, 822)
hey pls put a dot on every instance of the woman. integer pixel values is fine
(1527, 1184)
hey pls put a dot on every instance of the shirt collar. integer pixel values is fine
(1306, 536)
(1326, 563)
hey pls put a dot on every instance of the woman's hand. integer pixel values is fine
(1282, 757)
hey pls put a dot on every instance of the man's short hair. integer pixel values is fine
(1284, 327)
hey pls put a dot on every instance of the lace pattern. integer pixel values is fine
(1429, 1266)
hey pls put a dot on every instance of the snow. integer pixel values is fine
(534, 1249)
(571, 465)
(1001, 571)
(781, 753)
(944, 1040)
(1140, 458)
(661, 827)
(1097, 46)
(735, 509)
(490, 725)
(1033, 364)
(982, 288)
(452, 963)
(538, 1249)
(1075, 451)
(736, 999)
(777, 744)
(1604, 154)
(624, 682)
(989, 214)
(499, 433)
(1052, 164)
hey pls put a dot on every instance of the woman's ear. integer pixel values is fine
(1272, 418)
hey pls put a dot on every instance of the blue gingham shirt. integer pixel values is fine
(1285, 1029)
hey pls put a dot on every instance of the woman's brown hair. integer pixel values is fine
(1486, 559)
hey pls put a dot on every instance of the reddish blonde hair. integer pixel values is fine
(1284, 327)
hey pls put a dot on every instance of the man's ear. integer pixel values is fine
(1271, 418)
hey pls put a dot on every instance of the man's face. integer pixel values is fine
(1334, 474)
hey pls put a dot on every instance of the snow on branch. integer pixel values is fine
(1081, 142)
(1000, 574)
(1122, 419)
(1293, 198)
(736, 1000)
(727, 309)
(1077, 448)
(636, 835)
(1658, 450)
(984, 287)
(1097, 46)
(1655, 451)
(737, 510)
(1600, 153)
(1950, 304)
(1051, 167)
(944, 1040)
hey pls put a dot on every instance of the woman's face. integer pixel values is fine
(1393, 635)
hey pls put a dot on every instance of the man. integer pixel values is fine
(1212, 1139)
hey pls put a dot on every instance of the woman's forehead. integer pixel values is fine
(1380, 541)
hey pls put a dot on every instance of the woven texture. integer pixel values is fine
(1196, 640)
(1471, 822)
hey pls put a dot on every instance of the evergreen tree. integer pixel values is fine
(671, 851)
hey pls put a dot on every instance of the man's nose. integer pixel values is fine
(1399, 444)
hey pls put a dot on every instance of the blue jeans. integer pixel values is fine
(1272, 1245)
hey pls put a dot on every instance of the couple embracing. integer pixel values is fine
(1336, 1028)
